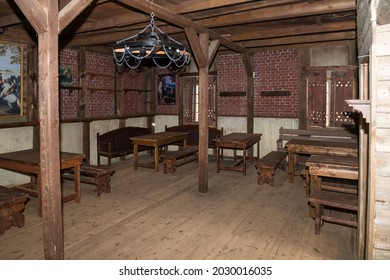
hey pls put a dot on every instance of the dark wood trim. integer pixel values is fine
(275, 93)
(232, 93)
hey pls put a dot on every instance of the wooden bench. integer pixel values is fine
(97, 175)
(11, 208)
(172, 159)
(325, 134)
(117, 143)
(267, 165)
(336, 200)
(193, 134)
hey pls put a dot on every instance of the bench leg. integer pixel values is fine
(266, 175)
(318, 213)
(170, 166)
(103, 184)
(11, 216)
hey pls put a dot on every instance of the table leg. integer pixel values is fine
(77, 188)
(135, 156)
(218, 159)
(244, 163)
(290, 167)
(156, 158)
(39, 196)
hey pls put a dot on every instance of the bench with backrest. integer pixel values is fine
(193, 134)
(321, 134)
(325, 134)
(117, 143)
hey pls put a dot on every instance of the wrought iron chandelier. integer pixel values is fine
(151, 44)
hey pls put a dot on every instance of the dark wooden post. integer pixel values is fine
(203, 116)
(248, 63)
(44, 17)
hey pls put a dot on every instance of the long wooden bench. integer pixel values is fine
(117, 143)
(173, 159)
(193, 134)
(97, 175)
(11, 208)
(336, 200)
(325, 134)
(267, 165)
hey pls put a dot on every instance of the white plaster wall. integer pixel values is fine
(71, 137)
(14, 139)
(162, 120)
(268, 127)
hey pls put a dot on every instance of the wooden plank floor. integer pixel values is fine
(152, 215)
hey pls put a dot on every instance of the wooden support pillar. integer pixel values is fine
(48, 22)
(248, 63)
(203, 116)
(53, 239)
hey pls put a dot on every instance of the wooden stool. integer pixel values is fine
(333, 199)
(97, 175)
(11, 207)
(267, 165)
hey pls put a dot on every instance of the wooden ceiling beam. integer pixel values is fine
(274, 13)
(181, 21)
(249, 35)
(312, 38)
(273, 32)
(186, 7)
(70, 12)
(196, 47)
(35, 14)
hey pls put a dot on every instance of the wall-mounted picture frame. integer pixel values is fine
(167, 89)
(11, 80)
(66, 76)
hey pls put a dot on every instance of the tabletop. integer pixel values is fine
(238, 140)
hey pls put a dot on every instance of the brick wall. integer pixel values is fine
(133, 102)
(99, 97)
(69, 98)
(231, 78)
(275, 71)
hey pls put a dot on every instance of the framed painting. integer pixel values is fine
(167, 89)
(66, 76)
(11, 79)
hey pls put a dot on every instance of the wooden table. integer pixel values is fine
(342, 167)
(315, 147)
(28, 161)
(236, 141)
(157, 140)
